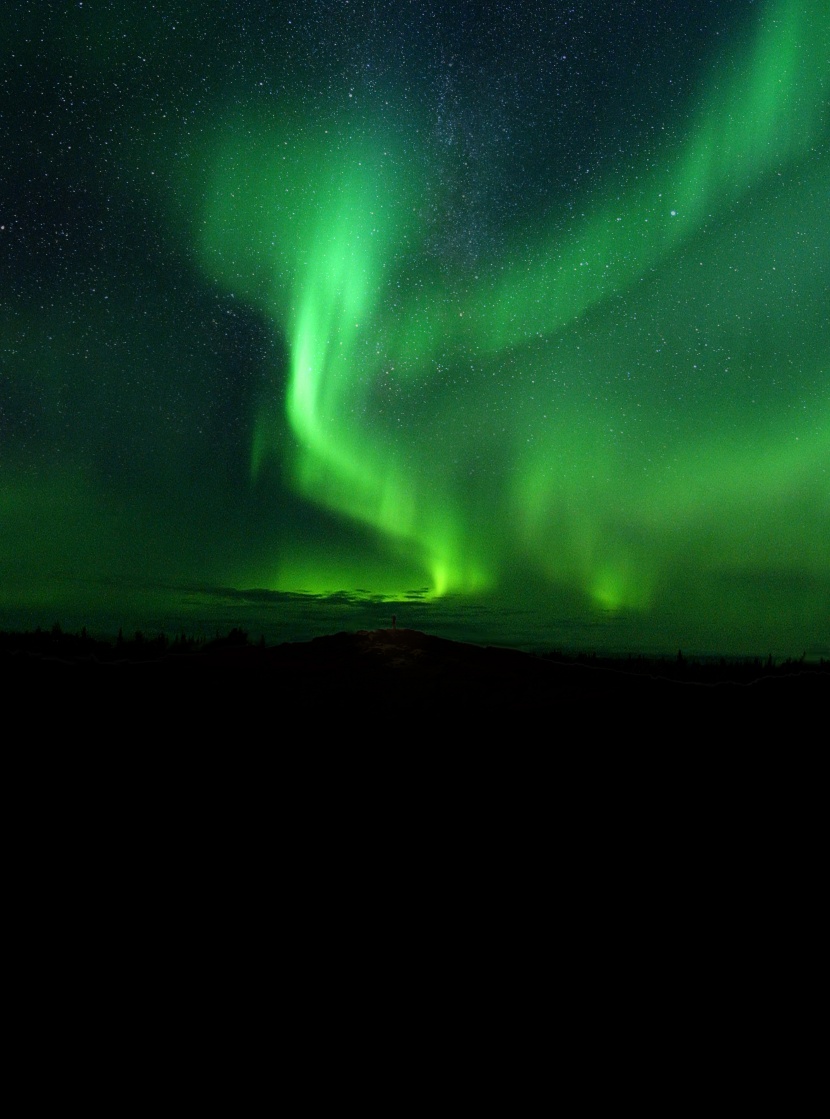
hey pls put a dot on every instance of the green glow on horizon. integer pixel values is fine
(593, 482)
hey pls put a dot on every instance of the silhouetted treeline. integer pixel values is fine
(54, 644)
(702, 670)
(57, 646)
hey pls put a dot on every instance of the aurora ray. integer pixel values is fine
(588, 490)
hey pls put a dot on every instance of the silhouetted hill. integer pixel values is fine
(402, 674)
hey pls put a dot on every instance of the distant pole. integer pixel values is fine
(394, 621)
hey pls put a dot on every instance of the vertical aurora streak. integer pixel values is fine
(600, 484)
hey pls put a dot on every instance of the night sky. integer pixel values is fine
(512, 318)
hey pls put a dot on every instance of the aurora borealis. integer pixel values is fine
(515, 314)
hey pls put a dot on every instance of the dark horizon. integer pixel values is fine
(204, 613)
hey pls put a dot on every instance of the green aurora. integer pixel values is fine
(615, 400)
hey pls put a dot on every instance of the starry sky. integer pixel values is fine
(512, 318)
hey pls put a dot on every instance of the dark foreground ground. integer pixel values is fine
(386, 678)
(190, 828)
